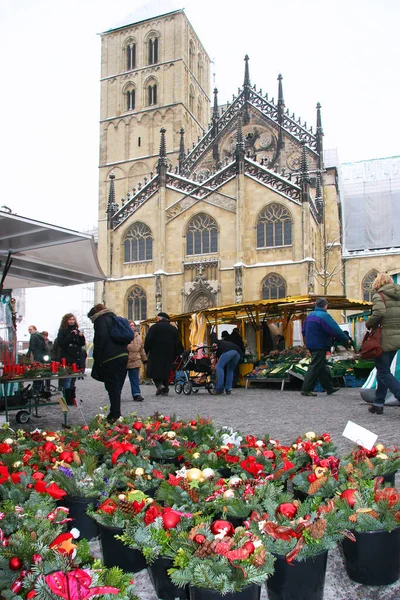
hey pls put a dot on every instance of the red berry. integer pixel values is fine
(199, 538)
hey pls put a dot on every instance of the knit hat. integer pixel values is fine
(321, 302)
(163, 315)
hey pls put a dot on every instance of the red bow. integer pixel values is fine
(75, 585)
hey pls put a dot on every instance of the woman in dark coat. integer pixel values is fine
(70, 342)
(386, 313)
(162, 346)
(110, 359)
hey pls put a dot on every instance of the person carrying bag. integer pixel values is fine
(384, 323)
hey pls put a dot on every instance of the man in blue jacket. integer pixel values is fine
(319, 331)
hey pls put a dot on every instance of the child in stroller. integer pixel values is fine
(193, 371)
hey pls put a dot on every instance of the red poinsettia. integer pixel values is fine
(152, 513)
(108, 506)
(52, 490)
(250, 465)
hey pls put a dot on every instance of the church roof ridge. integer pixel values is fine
(136, 22)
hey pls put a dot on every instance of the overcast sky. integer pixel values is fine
(343, 54)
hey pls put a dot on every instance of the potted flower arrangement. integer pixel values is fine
(299, 535)
(111, 517)
(152, 531)
(379, 461)
(218, 561)
(84, 485)
(372, 512)
(320, 477)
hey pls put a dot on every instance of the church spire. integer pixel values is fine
(319, 136)
(181, 156)
(246, 72)
(215, 109)
(162, 163)
(281, 101)
(246, 87)
(112, 206)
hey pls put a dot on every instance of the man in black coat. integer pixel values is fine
(162, 347)
(110, 359)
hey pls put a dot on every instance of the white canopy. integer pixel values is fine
(43, 254)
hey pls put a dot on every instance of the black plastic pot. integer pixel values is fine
(236, 521)
(225, 472)
(251, 592)
(77, 510)
(299, 494)
(374, 558)
(163, 586)
(116, 554)
(302, 580)
(390, 478)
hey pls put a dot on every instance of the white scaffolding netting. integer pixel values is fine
(370, 194)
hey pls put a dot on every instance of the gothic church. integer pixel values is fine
(204, 206)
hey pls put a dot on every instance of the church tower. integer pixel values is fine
(154, 74)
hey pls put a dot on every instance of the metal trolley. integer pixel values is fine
(28, 399)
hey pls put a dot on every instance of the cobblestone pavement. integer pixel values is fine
(258, 410)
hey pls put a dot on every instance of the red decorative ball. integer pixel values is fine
(199, 538)
(219, 527)
(170, 519)
(49, 447)
(16, 587)
(31, 594)
(269, 454)
(312, 477)
(287, 509)
(37, 558)
(348, 495)
(137, 426)
(249, 546)
(15, 563)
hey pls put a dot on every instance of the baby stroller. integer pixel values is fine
(193, 371)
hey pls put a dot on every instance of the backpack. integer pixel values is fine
(55, 352)
(121, 332)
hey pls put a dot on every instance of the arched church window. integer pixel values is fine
(274, 226)
(191, 98)
(152, 47)
(130, 56)
(273, 287)
(191, 55)
(201, 235)
(130, 99)
(137, 304)
(152, 94)
(366, 286)
(138, 243)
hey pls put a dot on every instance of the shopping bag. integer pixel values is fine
(371, 346)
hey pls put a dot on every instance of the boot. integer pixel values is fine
(69, 395)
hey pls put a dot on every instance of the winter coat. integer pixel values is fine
(162, 347)
(70, 345)
(320, 329)
(104, 348)
(136, 353)
(225, 346)
(37, 347)
(386, 312)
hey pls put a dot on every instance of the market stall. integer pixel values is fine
(35, 254)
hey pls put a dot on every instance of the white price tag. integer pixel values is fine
(361, 436)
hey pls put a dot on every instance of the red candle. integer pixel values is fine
(74, 368)
(63, 362)
(53, 367)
